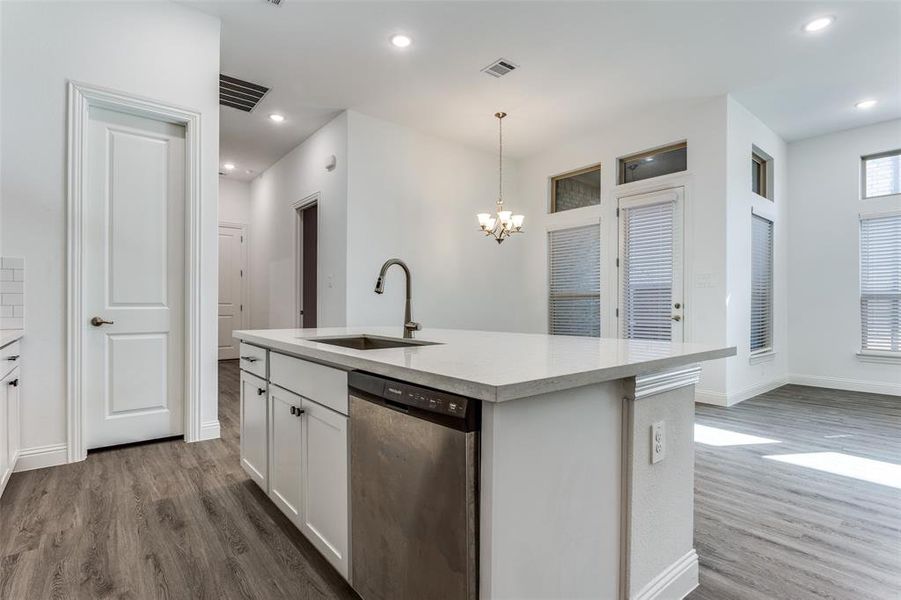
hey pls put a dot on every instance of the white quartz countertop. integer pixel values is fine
(488, 365)
(8, 336)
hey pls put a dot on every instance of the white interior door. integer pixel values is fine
(650, 266)
(231, 288)
(134, 237)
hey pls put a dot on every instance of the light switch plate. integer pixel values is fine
(658, 442)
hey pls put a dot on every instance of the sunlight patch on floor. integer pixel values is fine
(838, 463)
(713, 436)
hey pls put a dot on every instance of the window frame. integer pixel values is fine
(869, 354)
(552, 208)
(770, 347)
(863, 173)
(622, 160)
(762, 178)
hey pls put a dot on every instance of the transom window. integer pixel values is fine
(881, 174)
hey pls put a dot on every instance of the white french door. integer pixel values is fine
(650, 266)
(232, 266)
(133, 279)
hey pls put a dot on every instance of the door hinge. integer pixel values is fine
(242, 307)
(617, 312)
(242, 238)
(617, 211)
(242, 272)
(617, 262)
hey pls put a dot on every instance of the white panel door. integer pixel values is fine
(285, 447)
(650, 266)
(134, 236)
(231, 288)
(254, 425)
(325, 458)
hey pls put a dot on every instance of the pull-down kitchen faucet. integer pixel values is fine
(409, 324)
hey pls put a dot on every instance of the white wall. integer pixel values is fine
(748, 377)
(158, 50)
(824, 255)
(234, 201)
(415, 197)
(297, 175)
(703, 125)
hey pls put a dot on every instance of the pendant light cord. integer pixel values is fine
(500, 158)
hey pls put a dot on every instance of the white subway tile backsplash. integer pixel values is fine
(12, 293)
(12, 287)
(12, 323)
(12, 262)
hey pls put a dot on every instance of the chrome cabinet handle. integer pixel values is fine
(98, 321)
(298, 412)
(251, 359)
(14, 382)
(292, 410)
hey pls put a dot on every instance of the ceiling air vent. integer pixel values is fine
(240, 94)
(499, 68)
(274, 2)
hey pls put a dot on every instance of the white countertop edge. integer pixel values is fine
(8, 336)
(474, 389)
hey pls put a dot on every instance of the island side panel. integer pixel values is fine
(551, 494)
(658, 537)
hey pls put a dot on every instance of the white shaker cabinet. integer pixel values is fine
(254, 423)
(324, 485)
(285, 443)
(9, 425)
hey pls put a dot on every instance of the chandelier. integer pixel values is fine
(504, 223)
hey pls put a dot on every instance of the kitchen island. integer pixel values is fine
(586, 454)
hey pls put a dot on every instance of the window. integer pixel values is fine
(575, 281)
(654, 163)
(760, 165)
(880, 283)
(761, 284)
(881, 174)
(576, 189)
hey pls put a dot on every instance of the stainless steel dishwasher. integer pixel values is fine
(414, 476)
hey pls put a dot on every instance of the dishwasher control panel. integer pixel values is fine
(430, 400)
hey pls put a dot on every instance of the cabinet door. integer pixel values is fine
(284, 452)
(13, 410)
(4, 431)
(324, 514)
(254, 422)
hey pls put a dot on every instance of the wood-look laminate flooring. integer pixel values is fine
(177, 521)
(161, 520)
(768, 530)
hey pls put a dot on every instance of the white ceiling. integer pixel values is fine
(581, 64)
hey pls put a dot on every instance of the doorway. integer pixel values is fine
(233, 277)
(307, 261)
(651, 305)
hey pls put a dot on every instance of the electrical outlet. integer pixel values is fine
(658, 442)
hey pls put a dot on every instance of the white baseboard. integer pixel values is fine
(842, 383)
(710, 397)
(676, 582)
(40, 457)
(733, 398)
(209, 431)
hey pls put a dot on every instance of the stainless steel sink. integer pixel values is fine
(369, 342)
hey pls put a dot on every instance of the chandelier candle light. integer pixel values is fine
(504, 223)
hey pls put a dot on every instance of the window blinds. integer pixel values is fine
(880, 283)
(575, 281)
(647, 266)
(761, 284)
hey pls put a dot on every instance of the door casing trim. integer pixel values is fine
(81, 97)
(298, 206)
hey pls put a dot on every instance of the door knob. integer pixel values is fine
(97, 322)
(677, 318)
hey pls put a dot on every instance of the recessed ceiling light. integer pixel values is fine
(648, 159)
(277, 117)
(400, 40)
(819, 24)
(229, 166)
(865, 104)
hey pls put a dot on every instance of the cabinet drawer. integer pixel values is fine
(253, 359)
(10, 358)
(325, 385)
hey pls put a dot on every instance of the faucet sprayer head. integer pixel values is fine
(379, 285)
